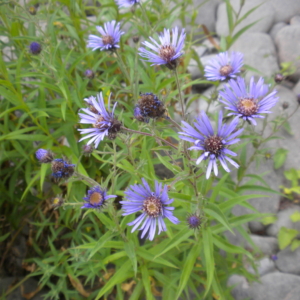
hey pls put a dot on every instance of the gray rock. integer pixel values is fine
(241, 287)
(206, 14)
(259, 52)
(284, 220)
(289, 261)
(264, 15)
(276, 28)
(293, 294)
(296, 88)
(285, 9)
(288, 43)
(267, 245)
(275, 286)
(193, 66)
(264, 266)
(295, 20)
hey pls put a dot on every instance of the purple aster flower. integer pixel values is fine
(126, 3)
(44, 156)
(213, 146)
(167, 52)
(110, 37)
(248, 103)
(96, 198)
(153, 206)
(35, 48)
(103, 122)
(61, 169)
(221, 67)
(193, 221)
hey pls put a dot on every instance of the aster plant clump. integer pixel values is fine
(153, 178)
(153, 206)
(248, 103)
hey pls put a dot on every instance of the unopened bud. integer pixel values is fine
(136, 39)
(278, 78)
(285, 105)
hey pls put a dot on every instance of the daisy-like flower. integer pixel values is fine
(248, 103)
(109, 39)
(165, 52)
(222, 67)
(104, 123)
(96, 198)
(153, 206)
(214, 146)
(126, 3)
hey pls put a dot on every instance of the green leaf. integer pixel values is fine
(44, 168)
(131, 252)
(285, 236)
(268, 220)
(295, 244)
(146, 282)
(295, 217)
(105, 238)
(188, 267)
(164, 161)
(229, 11)
(120, 276)
(214, 211)
(4, 237)
(280, 157)
(209, 258)
(177, 239)
(224, 206)
(216, 189)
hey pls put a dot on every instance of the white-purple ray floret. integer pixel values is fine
(126, 3)
(224, 66)
(153, 206)
(109, 38)
(213, 146)
(249, 102)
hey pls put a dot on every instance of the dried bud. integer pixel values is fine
(57, 202)
(32, 10)
(87, 149)
(136, 39)
(194, 221)
(61, 169)
(278, 78)
(89, 74)
(150, 106)
(137, 114)
(44, 156)
(35, 48)
(285, 105)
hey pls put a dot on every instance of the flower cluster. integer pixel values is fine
(152, 206)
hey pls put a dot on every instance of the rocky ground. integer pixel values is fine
(273, 40)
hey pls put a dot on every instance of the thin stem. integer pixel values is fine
(149, 134)
(180, 94)
(122, 66)
(174, 122)
(146, 17)
(87, 179)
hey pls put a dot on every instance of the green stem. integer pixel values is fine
(180, 94)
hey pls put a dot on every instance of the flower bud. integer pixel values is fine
(89, 74)
(194, 221)
(35, 48)
(285, 105)
(150, 106)
(87, 149)
(278, 78)
(136, 39)
(32, 10)
(44, 156)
